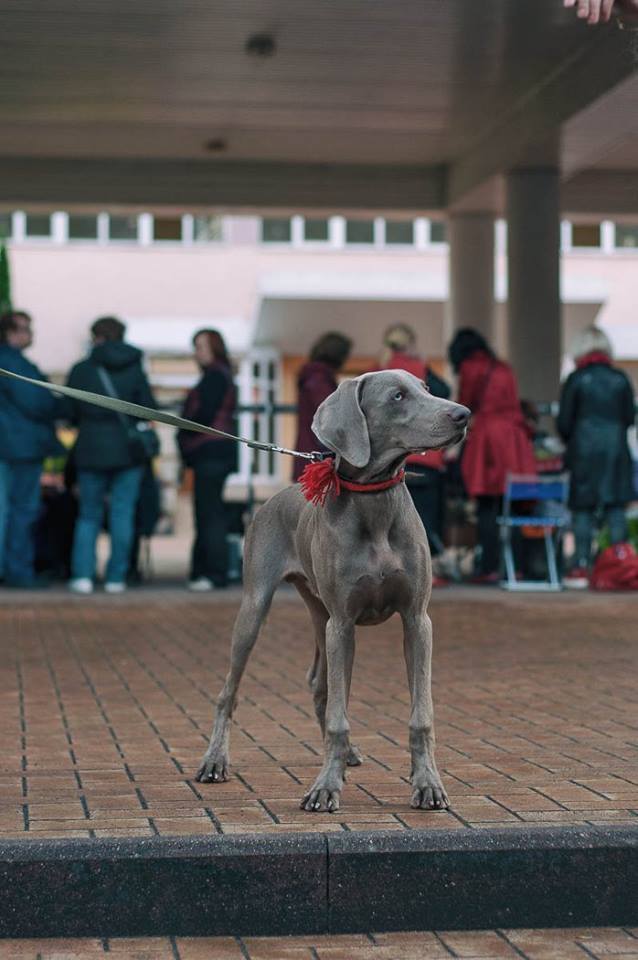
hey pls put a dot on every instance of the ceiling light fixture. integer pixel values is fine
(216, 145)
(260, 45)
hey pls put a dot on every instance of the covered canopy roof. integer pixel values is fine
(404, 105)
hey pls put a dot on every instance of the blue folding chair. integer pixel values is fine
(549, 495)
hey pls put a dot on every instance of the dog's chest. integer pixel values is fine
(377, 582)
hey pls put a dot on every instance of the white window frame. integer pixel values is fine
(11, 215)
(436, 244)
(421, 233)
(74, 240)
(19, 226)
(188, 230)
(167, 243)
(624, 251)
(500, 237)
(246, 382)
(568, 226)
(298, 237)
(53, 236)
(358, 246)
(144, 230)
(399, 246)
(204, 243)
(277, 244)
(136, 241)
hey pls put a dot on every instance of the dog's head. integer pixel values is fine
(384, 417)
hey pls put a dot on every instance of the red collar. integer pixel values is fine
(320, 479)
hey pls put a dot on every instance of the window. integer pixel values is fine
(122, 228)
(207, 229)
(399, 231)
(317, 231)
(167, 228)
(626, 235)
(275, 230)
(82, 227)
(359, 231)
(38, 225)
(438, 233)
(5, 226)
(585, 234)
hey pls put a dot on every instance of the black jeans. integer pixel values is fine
(583, 523)
(487, 513)
(210, 553)
(427, 492)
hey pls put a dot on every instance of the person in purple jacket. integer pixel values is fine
(317, 380)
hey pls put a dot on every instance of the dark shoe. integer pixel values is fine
(486, 579)
(34, 583)
(440, 582)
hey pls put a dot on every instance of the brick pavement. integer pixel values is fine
(595, 944)
(106, 705)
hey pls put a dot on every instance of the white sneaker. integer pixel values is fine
(201, 585)
(114, 587)
(81, 585)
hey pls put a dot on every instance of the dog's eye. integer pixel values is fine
(399, 395)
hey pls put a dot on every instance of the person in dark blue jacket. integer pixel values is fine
(27, 436)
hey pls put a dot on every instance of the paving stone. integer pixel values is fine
(534, 725)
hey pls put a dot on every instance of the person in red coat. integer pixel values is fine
(317, 380)
(426, 479)
(498, 442)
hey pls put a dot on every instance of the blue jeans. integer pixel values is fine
(19, 509)
(123, 488)
(5, 476)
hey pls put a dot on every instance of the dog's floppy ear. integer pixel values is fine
(340, 425)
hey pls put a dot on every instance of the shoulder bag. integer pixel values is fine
(143, 442)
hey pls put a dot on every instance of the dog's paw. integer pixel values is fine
(213, 769)
(428, 795)
(323, 797)
(354, 758)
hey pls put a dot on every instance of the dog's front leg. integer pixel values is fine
(427, 789)
(325, 793)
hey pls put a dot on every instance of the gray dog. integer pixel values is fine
(357, 559)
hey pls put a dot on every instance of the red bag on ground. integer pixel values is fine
(616, 568)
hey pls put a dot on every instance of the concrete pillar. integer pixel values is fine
(471, 300)
(533, 264)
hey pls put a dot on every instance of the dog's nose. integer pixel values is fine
(460, 415)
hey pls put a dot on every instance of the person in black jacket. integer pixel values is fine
(212, 402)
(105, 461)
(426, 471)
(27, 436)
(596, 408)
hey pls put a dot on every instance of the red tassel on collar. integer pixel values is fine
(320, 480)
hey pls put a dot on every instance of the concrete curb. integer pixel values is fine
(319, 883)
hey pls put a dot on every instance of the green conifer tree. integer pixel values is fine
(5, 279)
